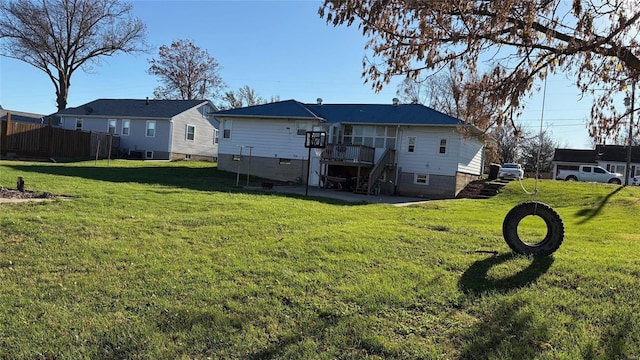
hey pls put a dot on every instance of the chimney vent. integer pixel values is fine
(396, 101)
(319, 100)
(147, 101)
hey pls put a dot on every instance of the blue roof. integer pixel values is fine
(405, 114)
(280, 109)
(133, 108)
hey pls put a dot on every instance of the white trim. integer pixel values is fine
(115, 126)
(186, 132)
(146, 154)
(421, 179)
(146, 133)
(128, 121)
(409, 144)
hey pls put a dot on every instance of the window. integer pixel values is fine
(126, 125)
(148, 155)
(421, 179)
(111, 128)
(215, 136)
(617, 168)
(78, 124)
(443, 146)
(285, 161)
(301, 128)
(586, 169)
(191, 132)
(151, 128)
(226, 129)
(598, 170)
(411, 144)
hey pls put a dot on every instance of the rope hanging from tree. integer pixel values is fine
(555, 227)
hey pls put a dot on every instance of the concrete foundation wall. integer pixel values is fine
(439, 187)
(265, 167)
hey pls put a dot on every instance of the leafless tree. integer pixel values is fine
(244, 96)
(186, 72)
(537, 152)
(511, 43)
(62, 36)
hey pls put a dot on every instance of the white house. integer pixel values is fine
(151, 129)
(404, 149)
(611, 157)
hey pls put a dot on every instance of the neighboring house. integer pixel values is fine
(151, 129)
(611, 157)
(20, 116)
(404, 149)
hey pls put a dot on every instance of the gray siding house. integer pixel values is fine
(404, 149)
(151, 129)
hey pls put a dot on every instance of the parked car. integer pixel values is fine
(590, 173)
(511, 171)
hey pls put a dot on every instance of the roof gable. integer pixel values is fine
(133, 108)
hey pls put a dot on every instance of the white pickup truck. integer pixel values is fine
(589, 173)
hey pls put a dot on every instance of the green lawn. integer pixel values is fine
(172, 261)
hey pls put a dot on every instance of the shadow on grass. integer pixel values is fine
(201, 179)
(589, 214)
(476, 281)
(511, 327)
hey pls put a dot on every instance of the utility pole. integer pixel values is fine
(630, 103)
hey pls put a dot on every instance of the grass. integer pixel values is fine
(173, 261)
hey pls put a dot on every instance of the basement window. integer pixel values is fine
(421, 179)
(148, 155)
(285, 161)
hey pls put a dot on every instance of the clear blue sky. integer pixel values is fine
(278, 48)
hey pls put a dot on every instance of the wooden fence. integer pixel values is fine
(45, 141)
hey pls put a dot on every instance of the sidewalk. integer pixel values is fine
(314, 191)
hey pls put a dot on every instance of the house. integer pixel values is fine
(611, 157)
(151, 129)
(404, 149)
(20, 116)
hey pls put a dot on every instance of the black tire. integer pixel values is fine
(615, 181)
(571, 178)
(555, 229)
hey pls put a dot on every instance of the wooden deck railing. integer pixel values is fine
(349, 153)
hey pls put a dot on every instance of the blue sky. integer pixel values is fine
(278, 48)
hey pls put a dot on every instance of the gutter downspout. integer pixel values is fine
(170, 144)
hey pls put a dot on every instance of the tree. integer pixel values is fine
(508, 143)
(186, 72)
(61, 36)
(244, 96)
(514, 42)
(538, 150)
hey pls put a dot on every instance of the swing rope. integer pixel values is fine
(534, 193)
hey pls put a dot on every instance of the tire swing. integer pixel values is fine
(555, 227)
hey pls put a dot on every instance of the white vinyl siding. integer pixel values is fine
(273, 138)
(426, 158)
